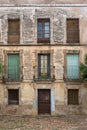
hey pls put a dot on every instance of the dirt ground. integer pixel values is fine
(75, 122)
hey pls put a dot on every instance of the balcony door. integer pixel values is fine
(44, 65)
(13, 67)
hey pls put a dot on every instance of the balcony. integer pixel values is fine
(72, 74)
(44, 74)
(13, 76)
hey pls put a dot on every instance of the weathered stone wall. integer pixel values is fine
(43, 1)
(29, 50)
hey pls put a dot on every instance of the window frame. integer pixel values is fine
(5, 75)
(14, 34)
(48, 74)
(71, 99)
(8, 66)
(43, 39)
(68, 30)
(14, 100)
(78, 66)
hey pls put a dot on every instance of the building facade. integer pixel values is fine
(41, 47)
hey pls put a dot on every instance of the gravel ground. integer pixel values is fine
(75, 122)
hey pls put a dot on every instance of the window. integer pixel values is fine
(13, 96)
(43, 31)
(72, 66)
(73, 97)
(13, 67)
(44, 65)
(13, 31)
(72, 30)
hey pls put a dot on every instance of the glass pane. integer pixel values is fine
(39, 30)
(47, 35)
(47, 23)
(47, 30)
(39, 26)
(39, 34)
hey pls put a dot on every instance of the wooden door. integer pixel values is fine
(44, 101)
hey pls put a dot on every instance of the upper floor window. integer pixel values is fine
(13, 31)
(43, 30)
(72, 66)
(72, 30)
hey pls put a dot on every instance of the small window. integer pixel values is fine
(72, 30)
(72, 66)
(13, 31)
(13, 96)
(43, 31)
(73, 97)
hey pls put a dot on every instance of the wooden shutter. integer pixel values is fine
(73, 96)
(72, 66)
(72, 30)
(13, 31)
(39, 65)
(48, 64)
(13, 67)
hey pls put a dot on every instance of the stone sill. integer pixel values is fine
(42, 5)
(44, 80)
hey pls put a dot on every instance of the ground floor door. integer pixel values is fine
(44, 105)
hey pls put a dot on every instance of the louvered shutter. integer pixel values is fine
(72, 30)
(73, 66)
(14, 31)
(13, 67)
(48, 64)
(39, 65)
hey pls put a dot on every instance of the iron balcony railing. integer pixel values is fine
(72, 73)
(12, 75)
(44, 73)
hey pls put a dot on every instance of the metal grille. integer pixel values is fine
(13, 96)
(73, 97)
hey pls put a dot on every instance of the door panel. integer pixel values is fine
(43, 101)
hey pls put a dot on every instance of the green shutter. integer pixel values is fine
(13, 67)
(73, 66)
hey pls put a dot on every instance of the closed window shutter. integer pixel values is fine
(73, 66)
(13, 31)
(48, 64)
(73, 96)
(39, 65)
(13, 67)
(72, 30)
